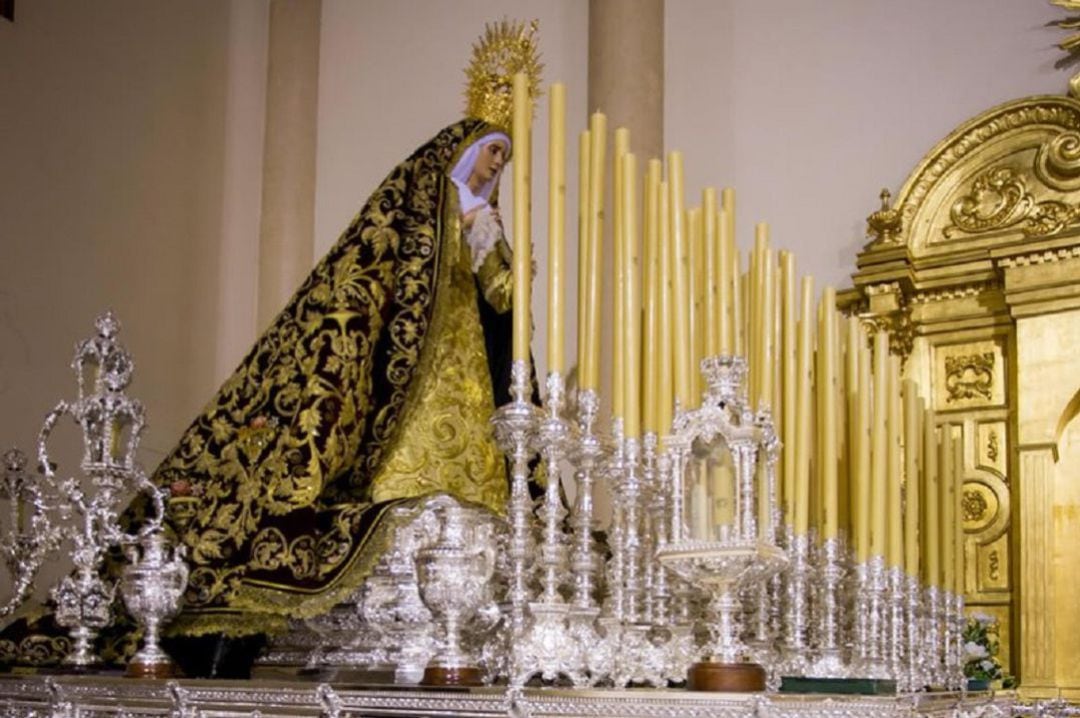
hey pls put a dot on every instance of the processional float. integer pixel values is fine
(783, 508)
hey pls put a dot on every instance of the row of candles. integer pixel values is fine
(862, 457)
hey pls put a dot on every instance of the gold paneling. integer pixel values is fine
(968, 375)
(984, 234)
(992, 562)
(991, 450)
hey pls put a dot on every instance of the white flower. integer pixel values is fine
(987, 665)
(973, 651)
(983, 619)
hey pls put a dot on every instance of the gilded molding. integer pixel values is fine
(969, 376)
(955, 292)
(1045, 257)
(1046, 111)
(1015, 206)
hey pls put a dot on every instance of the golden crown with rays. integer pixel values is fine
(505, 48)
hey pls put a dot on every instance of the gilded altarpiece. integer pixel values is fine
(974, 271)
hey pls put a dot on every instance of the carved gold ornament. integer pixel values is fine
(999, 199)
(969, 376)
(1057, 163)
(506, 48)
(974, 506)
(886, 224)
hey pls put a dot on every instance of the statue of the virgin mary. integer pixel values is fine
(374, 385)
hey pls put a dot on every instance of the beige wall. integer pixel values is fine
(809, 108)
(128, 179)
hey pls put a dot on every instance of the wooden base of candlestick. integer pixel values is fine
(152, 670)
(726, 677)
(452, 676)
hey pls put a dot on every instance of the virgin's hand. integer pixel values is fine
(469, 217)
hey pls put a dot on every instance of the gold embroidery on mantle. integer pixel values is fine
(969, 376)
(999, 199)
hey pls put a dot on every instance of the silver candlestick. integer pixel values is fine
(916, 679)
(515, 429)
(896, 642)
(829, 662)
(111, 425)
(796, 649)
(870, 612)
(547, 647)
(31, 536)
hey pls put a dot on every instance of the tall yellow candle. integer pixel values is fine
(522, 262)
(738, 305)
(802, 408)
(651, 296)
(912, 460)
(767, 319)
(556, 226)
(597, 150)
(680, 279)
(696, 259)
(931, 492)
(632, 301)
(584, 177)
(853, 342)
(894, 550)
(712, 272)
(879, 446)
(666, 396)
(619, 318)
(947, 509)
(863, 516)
(728, 271)
(788, 427)
(827, 414)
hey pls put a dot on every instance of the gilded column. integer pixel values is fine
(287, 226)
(1037, 655)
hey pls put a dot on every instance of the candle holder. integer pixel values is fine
(933, 645)
(872, 585)
(30, 539)
(586, 454)
(896, 642)
(547, 647)
(111, 425)
(795, 659)
(830, 662)
(515, 431)
(916, 679)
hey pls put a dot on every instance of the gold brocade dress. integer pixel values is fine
(446, 441)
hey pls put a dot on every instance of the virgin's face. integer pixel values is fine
(489, 162)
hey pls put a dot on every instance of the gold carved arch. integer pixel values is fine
(974, 270)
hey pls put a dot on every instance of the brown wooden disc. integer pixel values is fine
(152, 670)
(452, 676)
(726, 677)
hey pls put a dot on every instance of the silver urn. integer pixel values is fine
(153, 586)
(454, 575)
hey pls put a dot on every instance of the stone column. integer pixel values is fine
(287, 227)
(626, 82)
(626, 69)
